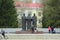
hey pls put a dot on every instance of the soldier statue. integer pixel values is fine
(24, 22)
(29, 21)
(34, 20)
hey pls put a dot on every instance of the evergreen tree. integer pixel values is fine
(51, 13)
(8, 15)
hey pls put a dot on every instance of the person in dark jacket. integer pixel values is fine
(52, 29)
(3, 33)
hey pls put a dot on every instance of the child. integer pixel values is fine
(35, 30)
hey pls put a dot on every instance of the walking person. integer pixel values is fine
(3, 33)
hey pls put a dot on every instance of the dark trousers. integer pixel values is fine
(3, 34)
(49, 31)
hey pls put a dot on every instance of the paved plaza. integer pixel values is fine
(41, 35)
(32, 37)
